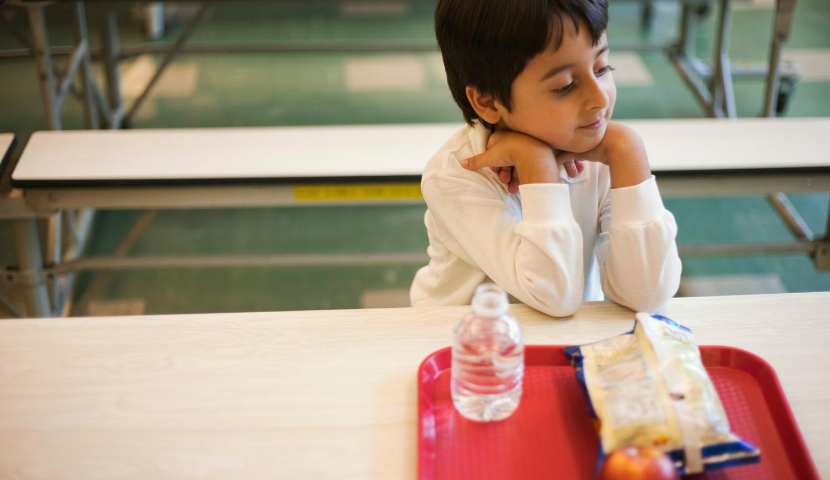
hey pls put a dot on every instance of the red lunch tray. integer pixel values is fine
(551, 435)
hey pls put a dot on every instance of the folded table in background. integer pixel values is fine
(74, 171)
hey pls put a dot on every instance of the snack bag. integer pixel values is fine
(649, 388)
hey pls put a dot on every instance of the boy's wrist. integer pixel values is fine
(627, 159)
(539, 171)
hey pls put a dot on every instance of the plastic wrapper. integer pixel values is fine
(649, 388)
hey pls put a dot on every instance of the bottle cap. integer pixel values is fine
(490, 300)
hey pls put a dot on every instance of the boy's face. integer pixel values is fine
(564, 97)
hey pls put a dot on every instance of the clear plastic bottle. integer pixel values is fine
(487, 358)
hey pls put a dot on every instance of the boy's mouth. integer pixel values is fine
(594, 125)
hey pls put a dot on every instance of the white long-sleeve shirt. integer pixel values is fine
(550, 246)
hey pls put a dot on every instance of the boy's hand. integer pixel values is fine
(507, 175)
(622, 150)
(518, 158)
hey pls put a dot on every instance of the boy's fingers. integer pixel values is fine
(595, 155)
(563, 158)
(513, 186)
(571, 168)
(475, 162)
(504, 175)
(580, 165)
(490, 158)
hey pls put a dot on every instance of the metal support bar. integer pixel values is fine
(204, 10)
(31, 266)
(13, 206)
(781, 32)
(65, 79)
(54, 238)
(78, 225)
(822, 255)
(723, 98)
(684, 58)
(283, 260)
(693, 81)
(786, 69)
(113, 118)
(30, 52)
(827, 228)
(120, 252)
(223, 261)
(718, 98)
(728, 105)
(10, 308)
(747, 249)
(790, 215)
(54, 247)
(110, 53)
(308, 47)
(153, 20)
(52, 94)
(79, 31)
(43, 60)
(686, 41)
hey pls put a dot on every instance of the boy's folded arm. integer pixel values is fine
(637, 249)
(537, 260)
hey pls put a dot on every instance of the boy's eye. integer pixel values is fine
(569, 87)
(565, 90)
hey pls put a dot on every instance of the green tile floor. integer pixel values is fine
(268, 89)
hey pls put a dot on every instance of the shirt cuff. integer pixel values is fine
(546, 203)
(637, 205)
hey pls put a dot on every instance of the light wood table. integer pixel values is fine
(6, 146)
(324, 394)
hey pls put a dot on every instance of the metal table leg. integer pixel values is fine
(54, 89)
(31, 267)
(81, 39)
(781, 32)
(43, 60)
(111, 53)
(723, 95)
(691, 69)
(822, 255)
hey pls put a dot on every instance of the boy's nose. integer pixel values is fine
(596, 96)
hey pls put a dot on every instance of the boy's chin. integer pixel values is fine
(579, 147)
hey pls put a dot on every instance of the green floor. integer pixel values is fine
(309, 89)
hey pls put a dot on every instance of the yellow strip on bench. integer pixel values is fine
(369, 191)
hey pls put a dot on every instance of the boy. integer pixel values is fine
(540, 192)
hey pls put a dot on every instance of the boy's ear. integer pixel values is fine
(484, 105)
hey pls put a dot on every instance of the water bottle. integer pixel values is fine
(487, 358)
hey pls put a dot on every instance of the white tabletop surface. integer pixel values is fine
(320, 394)
(384, 150)
(6, 140)
(234, 153)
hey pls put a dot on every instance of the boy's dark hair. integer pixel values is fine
(487, 43)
